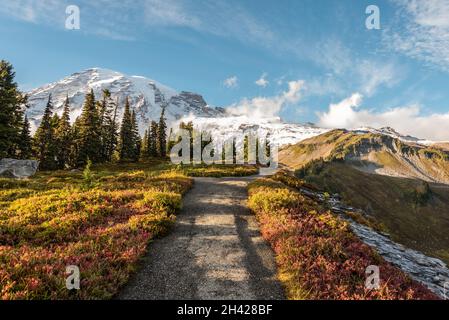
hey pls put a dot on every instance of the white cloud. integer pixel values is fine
(231, 82)
(121, 19)
(422, 31)
(325, 85)
(342, 114)
(169, 13)
(406, 120)
(97, 17)
(262, 81)
(265, 107)
(333, 55)
(375, 74)
(348, 72)
(35, 11)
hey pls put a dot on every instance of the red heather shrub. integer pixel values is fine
(318, 255)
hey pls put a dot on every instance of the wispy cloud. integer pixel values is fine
(231, 82)
(262, 107)
(421, 31)
(407, 120)
(97, 17)
(35, 11)
(374, 74)
(219, 17)
(121, 19)
(169, 13)
(344, 70)
(262, 81)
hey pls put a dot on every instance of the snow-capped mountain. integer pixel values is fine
(146, 97)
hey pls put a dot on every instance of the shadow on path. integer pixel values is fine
(215, 250)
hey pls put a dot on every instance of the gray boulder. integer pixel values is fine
(18, 169)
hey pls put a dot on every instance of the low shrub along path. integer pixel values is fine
(215, 250)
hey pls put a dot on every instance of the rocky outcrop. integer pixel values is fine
(431, 272)
(18, 169)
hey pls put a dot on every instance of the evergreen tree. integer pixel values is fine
(137, 140)
(107, 110)
(64, 137)
(25, 144)
(74, 148)
(44, 139)
(152, 139)
(89, 132)
(113, 133)
(246, 149)
(162, 135)
(267, 146)
(172, 141)
(11, 111)
(126, 146)
(189, 127)
(144, 149)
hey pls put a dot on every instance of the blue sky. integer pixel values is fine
(315, 60)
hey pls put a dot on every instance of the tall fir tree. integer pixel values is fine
(89, 132)
(112, 132)
(107, 110)
(144, 146)
(44, 140)
(25, 147)
(267, 145)
(137, 140)
(172, 141)
(64, 137)
(162, 135)
(189, 127)
(126, 147)
(152, 139)
(12, 103)
(74, 148)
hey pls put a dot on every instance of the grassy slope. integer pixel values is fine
(317, 254)
(371, 152)
(415, 221)
(399, 204)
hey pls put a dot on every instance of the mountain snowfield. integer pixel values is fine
(147, 97)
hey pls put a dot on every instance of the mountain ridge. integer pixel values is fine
(372, 153)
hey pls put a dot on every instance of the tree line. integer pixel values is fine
(95, 135)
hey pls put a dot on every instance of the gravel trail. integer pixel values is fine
(215, 250)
